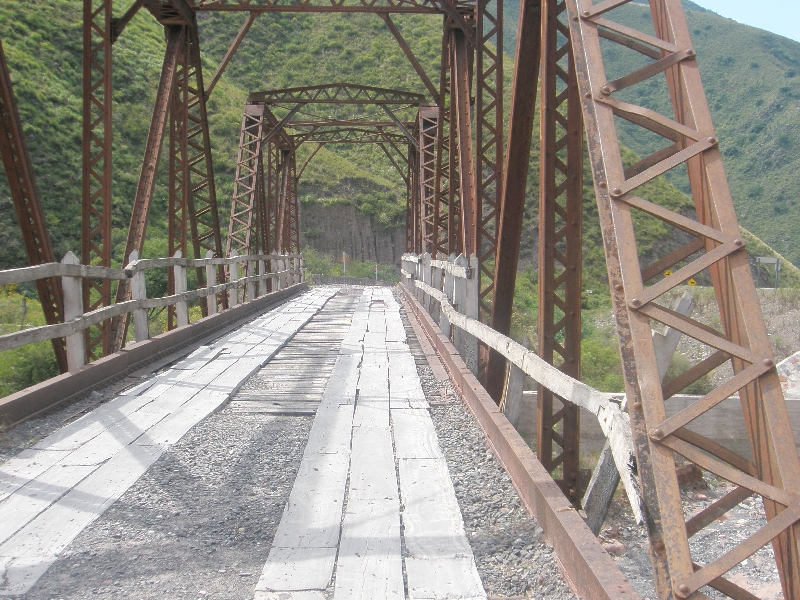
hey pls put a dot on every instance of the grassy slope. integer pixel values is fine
(752, 80)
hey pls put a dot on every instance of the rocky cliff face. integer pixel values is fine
(338, 228)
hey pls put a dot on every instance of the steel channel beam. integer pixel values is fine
(96, 178)
(520, 133)
(179, 182)
(460, 82)
(27, 205)
(147, 180)
(560, 211)
(775, 470)
(488, 180)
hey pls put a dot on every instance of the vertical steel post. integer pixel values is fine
(179, 180)
(520, 132)
(427, 124)
(96, 244)
(560, 210)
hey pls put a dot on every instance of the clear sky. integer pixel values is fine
(778, 16)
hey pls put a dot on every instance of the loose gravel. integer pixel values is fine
(513, 558)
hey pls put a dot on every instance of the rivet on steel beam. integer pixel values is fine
(602, 184)
(712, 140)
(690, 52)
(575, 18)
(616, 193)
(586, 13)
(658, 546)
(606, 90)
(738, 242)
(638, 406)
(636, 303)
(656, 434)
(587, 95)
(683, 591)
(768, 362)
(618, 287)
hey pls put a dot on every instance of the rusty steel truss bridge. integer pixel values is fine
(466, 168)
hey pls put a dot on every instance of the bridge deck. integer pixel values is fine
(371, 512)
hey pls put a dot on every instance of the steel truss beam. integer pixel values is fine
(370, 6)
(96, 243)
(774, 470)
(337, 93)
(512, 205)
(430, 214)
(487, 175)
(176, 42)
(27, 206)
(560, 212)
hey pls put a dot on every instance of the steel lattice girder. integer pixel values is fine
(241, 223)
(560, 212)
(27, 206)
(427, 125)
(179, 185)
(384, 6)
(337, 93)
(96, 244)
(774, 472)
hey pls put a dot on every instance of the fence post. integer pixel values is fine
(181, 307)
(211, 281)
(233, 293)
(296, 275)
(460, 302)
(426, 277)
(262, 283)
(511, 402)
(250, 285)
(302, 268)
(141, 327)
(73, 308)
(471, 310)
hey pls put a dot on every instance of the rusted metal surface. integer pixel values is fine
(27, 205)
(336, 93)
(430, 211)
(176, 40)
(241, 223)
(488, 138)
(96, 243)
(512, 203)
(560, 213)
(774, 472)
(590, 570)
(179, 181)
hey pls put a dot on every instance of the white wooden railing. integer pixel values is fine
(448, 291)
(284, 269)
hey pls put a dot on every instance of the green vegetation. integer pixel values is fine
(322, 264)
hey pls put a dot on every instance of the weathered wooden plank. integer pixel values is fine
(414, 434)
(31, 550)
(372, 474)
(404, 384)
(341, 388)
(297, 569)
(370, 564)
(331, 431)
(173, 427)
(452, 578)
(313, 514)
(24, 467)
(23, 505)
(432, 524)
(304, 595)
(372, 413)
(275, 407)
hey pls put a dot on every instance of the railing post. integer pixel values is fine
(284, 278)
(250, 285)
(296, 276)
(302, 260)
(262, 283)
(426, 277)
(444, 322)
(471, 311)
(211, 281)
(181, 307)
(460, 303)
(73, 307)
(141, 327)
(233, 293)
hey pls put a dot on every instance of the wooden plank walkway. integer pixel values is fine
(373, 513)
(51, 492)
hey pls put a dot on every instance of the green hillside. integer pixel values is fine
(752, 80)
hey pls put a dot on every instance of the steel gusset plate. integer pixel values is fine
(639, 305)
